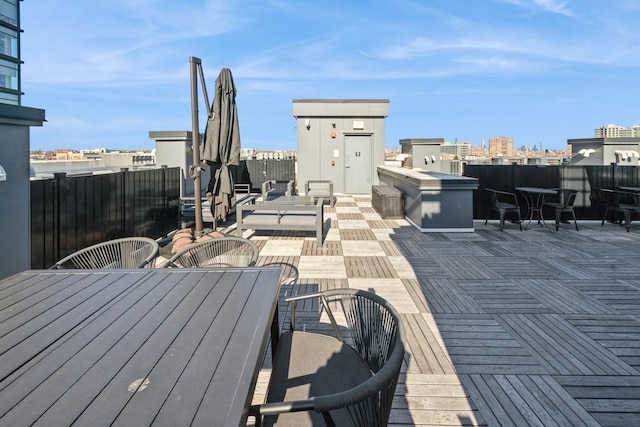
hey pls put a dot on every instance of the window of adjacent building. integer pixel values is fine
(9, 42)
(9, 53)
(9, 12)
(8, 98)
(8, 75)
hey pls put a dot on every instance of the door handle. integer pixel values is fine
(347, 166)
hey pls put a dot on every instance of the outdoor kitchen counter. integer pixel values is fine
(433, 201)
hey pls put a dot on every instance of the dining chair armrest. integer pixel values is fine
(275, 408)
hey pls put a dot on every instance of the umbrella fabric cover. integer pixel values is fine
(221, 146)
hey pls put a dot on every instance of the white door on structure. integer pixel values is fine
(357, 164)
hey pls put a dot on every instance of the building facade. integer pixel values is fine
(605, 151)
(501, 145)
(341, 140)
(615, 131)
(15, 123)
(459, 150)
(9, 52)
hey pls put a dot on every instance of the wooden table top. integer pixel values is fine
(133, 347)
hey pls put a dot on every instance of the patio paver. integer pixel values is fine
(503, 328)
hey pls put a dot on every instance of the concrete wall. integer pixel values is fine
(423, 153)
(340, 140)
(15, 218)
(15, 191)
(174, 149)
(601, 151)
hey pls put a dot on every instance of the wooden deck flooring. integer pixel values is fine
(503, 328)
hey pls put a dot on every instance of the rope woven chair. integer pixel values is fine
(346, 379)
(225, 251)
(127, 252)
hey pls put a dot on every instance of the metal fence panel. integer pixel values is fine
(259, 171)
(581, 178)
(69, 213)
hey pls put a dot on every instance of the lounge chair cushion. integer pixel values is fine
(308, 365)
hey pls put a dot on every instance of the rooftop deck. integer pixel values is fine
(503, 328)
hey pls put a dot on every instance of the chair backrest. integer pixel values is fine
(275, 187)
(289, 273)
(611, 196)
(127, 252)
(500, 196)
(225, 251)
(373, 328)
(569, 197)
(628, 198)
(319, 184)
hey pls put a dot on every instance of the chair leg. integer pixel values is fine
(558, 215)
(606, 211)
(519, 220)
(575, 221)
(627, 219)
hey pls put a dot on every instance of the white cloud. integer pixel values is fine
(122, 65)
(133, 42)
(553, 6)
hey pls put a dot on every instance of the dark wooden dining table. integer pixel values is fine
(166, 347)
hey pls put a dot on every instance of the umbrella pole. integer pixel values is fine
(195, 140)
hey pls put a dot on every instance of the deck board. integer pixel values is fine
(503, 327)
(424, 350)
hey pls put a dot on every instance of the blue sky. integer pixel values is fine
(540, 71)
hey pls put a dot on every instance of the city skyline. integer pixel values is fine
(540, 71)
(483, 150)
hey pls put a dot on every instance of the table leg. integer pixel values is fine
(534, 206)
(275, 333)
(528, 198)
(539, 208)
(540, 204)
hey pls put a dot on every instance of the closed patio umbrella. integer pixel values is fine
(221, 146)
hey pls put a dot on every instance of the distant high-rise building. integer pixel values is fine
(615, 131)
(459, 149)
(501, 145)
